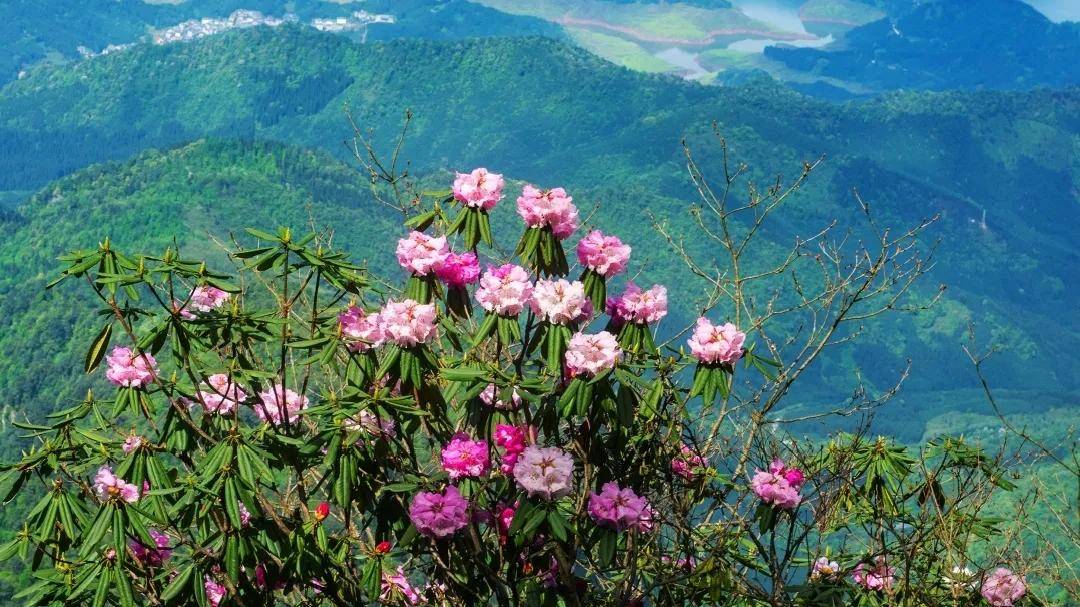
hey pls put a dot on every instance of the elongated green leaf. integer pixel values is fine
(97, 349)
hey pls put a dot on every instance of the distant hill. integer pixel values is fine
(33, 32)
(947, 44)
(542, 111)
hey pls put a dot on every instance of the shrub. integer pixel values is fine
(298, 431)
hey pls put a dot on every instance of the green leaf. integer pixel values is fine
(97, 349)
(557, 524)
(606, 547)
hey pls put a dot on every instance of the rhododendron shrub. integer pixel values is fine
(297, 431)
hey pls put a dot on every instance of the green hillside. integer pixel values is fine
(541, 111)
(180, 196)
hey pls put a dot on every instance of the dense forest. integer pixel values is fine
(1005, 251)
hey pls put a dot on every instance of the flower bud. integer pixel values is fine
(322, 511)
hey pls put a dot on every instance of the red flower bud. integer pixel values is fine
(322, 511)
(382, 547)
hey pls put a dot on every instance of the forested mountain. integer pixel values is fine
(33, 32)
(948, 44)
(541, 111)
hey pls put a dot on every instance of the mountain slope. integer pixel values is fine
(541, 111)
(948, 44)
(178, 196)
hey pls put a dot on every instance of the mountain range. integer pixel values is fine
(998, 167)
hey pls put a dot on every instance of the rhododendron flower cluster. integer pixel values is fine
(590, 355)
(512, 439)
(206, 298)
(716, 344)
(637, 306)
(459, 270)
(439, 515)
(108, 486)
(779, 485)
(407, 323)
(422, 254)
(130, 369)
(824, 569)
(279, 403)
(1002, 588)
(220, 395)
(372, 424)
(545, 472)
(620, 508)
(215, 591)
(504, 290)
(490, 397)
(396, 586)
(605, 255)
(132, 443)
(479, 189)
(152, 556)
(879, 576)
(463, 457)
(548, 208)
(560, 301)
(686, 462)
(360, 330)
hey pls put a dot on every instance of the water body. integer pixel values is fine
(757, 45)
(780, 14)
(777, 13)
(686, 61)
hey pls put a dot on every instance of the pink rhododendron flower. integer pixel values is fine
(220, 394)
(620, 508)
(545, 472)
(408, 323)
(395, 586)
(372, 424)
(560, 301)
(128, 369)
(463, 457)
(605, 255)
(824, 569)
(479, 189)
(245, 514)
(108, 486)
(686, 462)
(512, 439)
(878, 577)
(637, 306)
(459, 269)
(490, 397)
(504, 290)
(422, 254)
(280, 403)
(151, 556)
(548, 208)
(439, 515)
(360, 330)
(206, 298)
(505, 518)
(590, 355)
(793, 476)
(215, 592)
(1002, 588)
(181, 310)
(712, 344)
(779, 486)
(132, 443)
